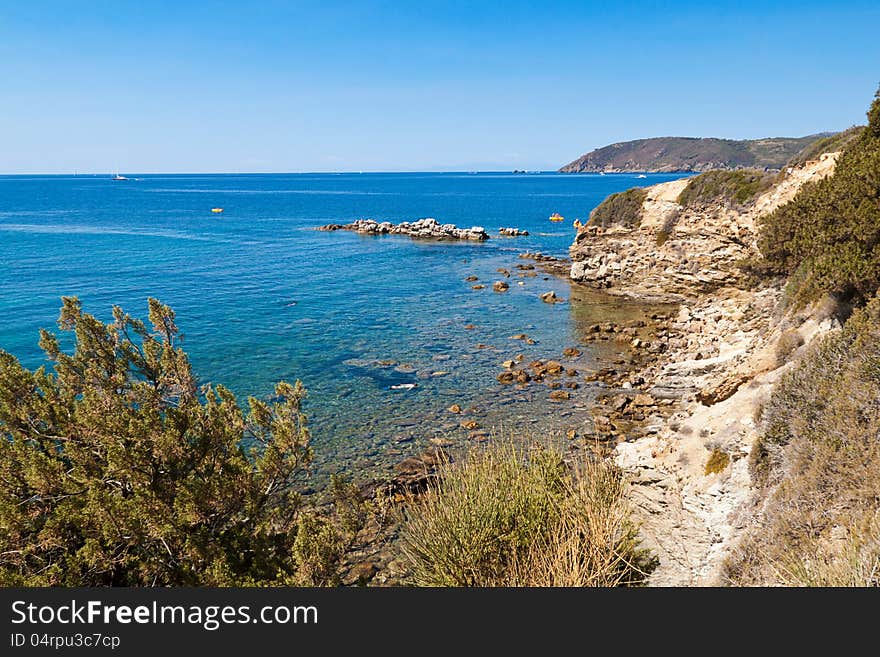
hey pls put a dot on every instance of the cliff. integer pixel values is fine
(717, 360)
(691, 154)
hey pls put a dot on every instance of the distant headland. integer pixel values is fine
(691, 154)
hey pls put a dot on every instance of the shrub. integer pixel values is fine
(117, 469)
(828, 236)
(512, 516)
(788, 342)
(665, 231)
(831, 144)
(733, 188)
(818, 465)
(620, 209)
(718, 460)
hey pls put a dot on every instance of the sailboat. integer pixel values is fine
(118, 177)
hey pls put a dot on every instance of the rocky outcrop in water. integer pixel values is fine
(428, 228)
(513, 232)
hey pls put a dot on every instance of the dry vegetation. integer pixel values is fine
(818, 461)
(517, 516)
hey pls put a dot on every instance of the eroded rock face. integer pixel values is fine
(716, 360)
(681, 252)
(428, 228)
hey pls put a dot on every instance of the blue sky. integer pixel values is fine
(390, 86)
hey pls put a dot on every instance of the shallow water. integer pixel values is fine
(261, 296)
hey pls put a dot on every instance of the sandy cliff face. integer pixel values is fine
(720, 361)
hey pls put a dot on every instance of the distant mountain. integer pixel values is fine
(662, 154)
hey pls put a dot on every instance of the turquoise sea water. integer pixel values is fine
(261, 296)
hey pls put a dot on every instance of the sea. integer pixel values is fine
(385, 332)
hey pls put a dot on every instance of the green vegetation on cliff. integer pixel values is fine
(620, 209)
(830, 144)
(664, 154)
(817, 461)
(828, 237)
(727, 187)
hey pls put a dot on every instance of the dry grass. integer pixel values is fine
(517, 516)
(718, 460)
(788, 342)
(818, 461)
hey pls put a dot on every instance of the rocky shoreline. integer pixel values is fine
(677, 391)
(683, 421)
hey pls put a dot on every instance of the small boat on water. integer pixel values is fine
(641, 175)
(118, 177)
(556, 217)
(216, 210)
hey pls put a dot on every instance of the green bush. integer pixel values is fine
(733, 188)
(117, 469)
(511, 516)
(831, 144)
(828, 236)
(620, 209)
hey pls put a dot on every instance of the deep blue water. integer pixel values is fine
(261, 296)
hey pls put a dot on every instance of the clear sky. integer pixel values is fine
(157, 86)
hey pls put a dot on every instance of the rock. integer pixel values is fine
(724, 390)
(500, 286)
(478, 287)
(504, 272)
(470, 327)
(513, 232)
(361, 574)
(550, 297)
(455, 408)
(643, 400)
(509, 364)
(571, 352)
(506, 378)
(415, 473)
(553, 367)
(471, 279)
(519, 336)
(427, 228)
(470, 425)
(559, 395)
(440, 373)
